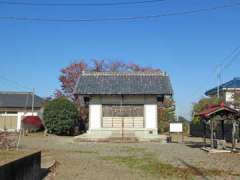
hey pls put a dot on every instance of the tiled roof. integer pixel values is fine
(134, 83)
(235, 83)
(19, 100)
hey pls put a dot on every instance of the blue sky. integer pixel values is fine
(188, 47)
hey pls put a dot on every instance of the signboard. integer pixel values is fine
(176, 127)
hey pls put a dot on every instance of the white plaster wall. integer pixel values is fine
(95, 116)
(11, 114)
(229, 97)
(150, 116)
(149, 102)
(19, 117)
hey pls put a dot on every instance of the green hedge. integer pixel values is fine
(60, 116)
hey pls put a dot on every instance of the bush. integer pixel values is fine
(163, 127)
(60, 116)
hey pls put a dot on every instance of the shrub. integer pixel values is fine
(60, 115)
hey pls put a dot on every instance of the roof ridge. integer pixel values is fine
(14, 92)
(110, 73)
(236, 78)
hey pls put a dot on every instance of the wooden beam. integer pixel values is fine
(223, 129)
(233, 135)
(204, 133)
(212, 146)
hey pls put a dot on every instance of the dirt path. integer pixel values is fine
(132, 161)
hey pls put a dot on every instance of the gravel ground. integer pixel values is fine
(91, 160)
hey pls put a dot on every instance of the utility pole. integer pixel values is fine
(219, 80)
(33, 96)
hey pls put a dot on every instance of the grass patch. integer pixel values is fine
(7, 156)
(149, 164)
(129, 149)
(53, 151)
(85, 152)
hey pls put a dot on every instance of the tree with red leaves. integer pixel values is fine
(68, 78)
(70, 74)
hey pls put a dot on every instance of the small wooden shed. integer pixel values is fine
(220, 113)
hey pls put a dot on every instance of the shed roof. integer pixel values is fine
(123, 83)
(233, 84)
(215, 109)
(19, 100)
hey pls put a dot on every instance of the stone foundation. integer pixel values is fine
(141, 135)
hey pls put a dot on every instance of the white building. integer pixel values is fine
(123, 104)
(14, 106)
(226, 90)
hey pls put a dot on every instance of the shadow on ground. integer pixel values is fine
(195, 170)
(192, 144)
(44, 173)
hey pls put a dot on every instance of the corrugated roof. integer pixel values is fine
(19, 100)
(117, 83)
(234, 83)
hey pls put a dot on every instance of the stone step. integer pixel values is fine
(124, 132)
(123, 139)
(123, 135)
(116, 136)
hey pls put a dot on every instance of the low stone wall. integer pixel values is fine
(26, 168)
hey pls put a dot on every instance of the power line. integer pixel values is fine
(110, 19)
(24, 3)
(228, 60)
(18, 84)
(234, 55)
(225, 63)
(200, 87)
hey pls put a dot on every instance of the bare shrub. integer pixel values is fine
(7, 140)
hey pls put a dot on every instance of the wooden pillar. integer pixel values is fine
(223, 129)
(121, 106)
(204, 131)
(212, 146)
(238, 130)
(233, 135)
